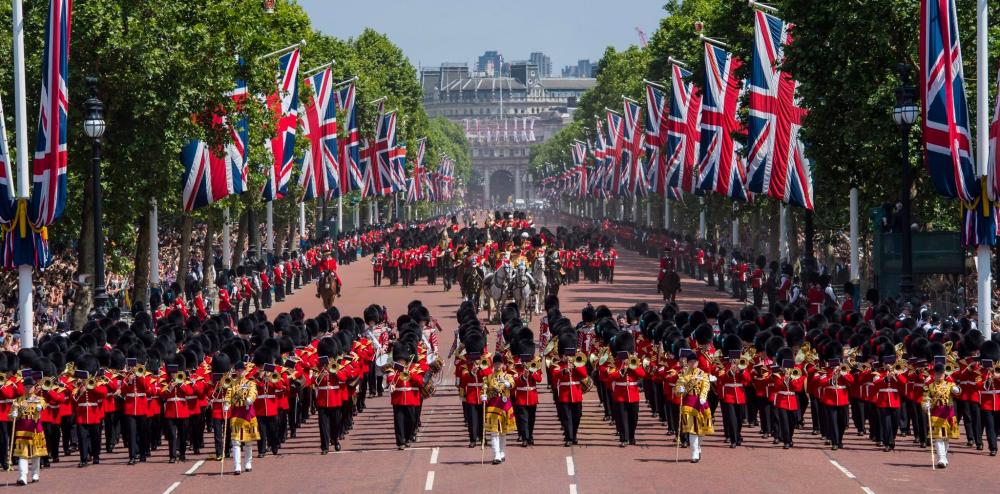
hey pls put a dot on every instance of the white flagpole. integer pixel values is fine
(783, 234)
(25, 306)
(340, 213)
(702, 226)
(855, 268)
(666, 213)
(302, 223)
(983, 255)
(270, 227)
(226, 249)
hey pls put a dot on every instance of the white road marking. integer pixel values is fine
(867, 490)
(434, 455)
(572, 489)
(172, 487)
(195, 468)
(843, 470)
(429, 484)
(570, 469)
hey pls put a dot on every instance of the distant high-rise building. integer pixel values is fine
(484, 64)
(583, 68)
(543, 62)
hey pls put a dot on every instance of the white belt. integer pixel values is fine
(475, 385)
(786, 392)
(176, 399)
(837, 387)
(570, 383)
(966, 382)
(135, 395)
(526, 388)
(6, 401)
(732, 385)
(87, 404)
(615, 383)
(405, 389)
(888, 390)
(990, 392)
(264, 396)
(324, 388)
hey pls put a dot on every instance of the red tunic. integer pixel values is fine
(568, 380)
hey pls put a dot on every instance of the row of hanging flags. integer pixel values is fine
(489, 131)
(684, 143)
(335, 163)
(24, 221)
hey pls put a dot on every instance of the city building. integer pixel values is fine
(543, 62)
(502, 117)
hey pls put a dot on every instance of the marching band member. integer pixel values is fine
(622, 374)
(405, 380)
(939, 403)
(471, 376)
(568, 376)
(29, 436)
(239, 407)
(527, 374)
(499, 411)
(733, 378)
(693, 385)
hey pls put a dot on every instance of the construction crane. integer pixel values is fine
(642, 36)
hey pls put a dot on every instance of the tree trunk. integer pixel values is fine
(140, 277)
(241, 239)
(793, 236)
(185, 258)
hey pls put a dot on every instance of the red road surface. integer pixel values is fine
(442, 462)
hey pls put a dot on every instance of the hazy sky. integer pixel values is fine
(435, 31)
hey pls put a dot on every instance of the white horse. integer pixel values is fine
(541, 283)
(496, 287)
(523, 291)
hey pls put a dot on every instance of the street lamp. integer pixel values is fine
(905, 115)
(94, 126)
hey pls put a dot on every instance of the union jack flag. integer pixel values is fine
(600, 161)
(656, 121)
(211, 175)
(7, 205)
(613, 152)
(415, 184)
(285, 105)
(633, 173)
(994, 173)
(385, 147)
(48, 192)
(777, 161)
(351, 177)
(367, 170)
(579, 151)
(320, 172)
(947, 140)
(683, 132)
(399, 167)
(722, 168)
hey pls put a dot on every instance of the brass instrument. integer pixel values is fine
(50, 383)
(950, 369)
(844, 368)
(484, 362)
(996, 370)
(226, 381)
(140, 370)
(743, 363)
(633, 362)
(580, 359)
(535, 365)
(793, 373)
(274, 377)
(900, 367)
(3, 376)
(90, 383)
(550, 346)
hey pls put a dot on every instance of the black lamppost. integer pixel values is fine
(94, 126)
(905, 115)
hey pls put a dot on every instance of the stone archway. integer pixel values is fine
(501, 186)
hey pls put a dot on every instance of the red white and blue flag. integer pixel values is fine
(320, 172)
(284, 104)
(683, 132)
(48, 193)
(777, 162)
(368, 170)
(600, 161)
(351, 177)
(613, 154)
(7, 195)
(212, 174)
(947, 140)
(633, 173)
(657, 123)
(384, 154)
(415, 184)
(720, 163)
(579, 151)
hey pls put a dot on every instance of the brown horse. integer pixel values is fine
(327, 288)
(670, 285)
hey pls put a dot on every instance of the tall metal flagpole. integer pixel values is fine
(226, 253)
(983, 260)
(24, 271)
(154, 249)
(783, 234)
(855, 268)
(270, 228)
(666, 213)
(302, 224)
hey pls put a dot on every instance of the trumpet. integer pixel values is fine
(49, 383)
(274, 377)
(950, 369)
(180, 377)
(535, 365)
(484, 362)
(633, 362)
(743, 363)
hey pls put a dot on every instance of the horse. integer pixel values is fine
(541, 283)
(327, 288)
(471, 284)
(669, 285)
(523, 291)
(496, 287)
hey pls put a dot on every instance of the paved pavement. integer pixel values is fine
(442, 462)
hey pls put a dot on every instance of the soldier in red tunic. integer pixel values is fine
(622, 375)
(527, 377)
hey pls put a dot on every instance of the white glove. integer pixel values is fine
(249, 402)
(712, 379)
(701, 402)
(680, 389)
(482, 397)
(13, 414)
(927, 406)
(225, 407)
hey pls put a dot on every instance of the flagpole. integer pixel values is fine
(316, 70)
(283, 50)
(702, 226)
(302, 223)
(226, 249)
(340, 213)
(270, 228)
(783, 234)
(666, 213)
(24, 284)
(983, 254)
